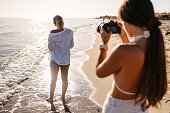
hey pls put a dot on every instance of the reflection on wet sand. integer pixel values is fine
(53, 109)
(66, 108)
(26, 80)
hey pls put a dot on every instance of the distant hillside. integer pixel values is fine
(111, 17)
(161, 16)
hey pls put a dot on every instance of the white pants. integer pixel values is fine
(113, 105)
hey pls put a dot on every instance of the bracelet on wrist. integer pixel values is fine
(103, 47)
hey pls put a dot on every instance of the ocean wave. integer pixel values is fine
(22, 65)
(82, 26)
(27, 62)
(10, 33)
(3, 45)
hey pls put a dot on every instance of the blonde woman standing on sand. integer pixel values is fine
(139, 67)
(60, 42)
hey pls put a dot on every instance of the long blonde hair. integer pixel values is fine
(58, 22)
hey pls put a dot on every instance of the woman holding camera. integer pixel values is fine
(60, 42)
(139, 67)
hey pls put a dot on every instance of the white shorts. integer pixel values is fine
(113, 105)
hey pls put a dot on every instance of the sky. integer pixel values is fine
(67, 8)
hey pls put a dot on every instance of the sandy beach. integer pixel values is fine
(103, 85)
(25, 77)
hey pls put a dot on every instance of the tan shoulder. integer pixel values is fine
(131, 52)
(54, 31)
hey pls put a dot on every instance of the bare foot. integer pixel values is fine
(49, 100)
(63, 100)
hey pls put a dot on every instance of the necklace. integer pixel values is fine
(146, 34)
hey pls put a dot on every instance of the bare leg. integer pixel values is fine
(54, 74)
(64, 77)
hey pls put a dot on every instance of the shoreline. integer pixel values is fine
(26, 79)
(103, 85)
(31, 80)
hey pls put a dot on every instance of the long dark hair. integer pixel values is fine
(153, 84)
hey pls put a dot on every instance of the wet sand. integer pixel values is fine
(25, 82)
(103, 85)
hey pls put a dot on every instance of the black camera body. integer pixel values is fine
(110, 26)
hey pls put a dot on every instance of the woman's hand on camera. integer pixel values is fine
(105, 36)
(123, 34)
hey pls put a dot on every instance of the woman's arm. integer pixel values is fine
(111, 64)
(123, 34)
(51, 44)
(103, 52)
(72, 41)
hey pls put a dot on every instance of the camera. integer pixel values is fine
(109, 26)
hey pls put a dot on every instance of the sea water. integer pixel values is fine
(25, 73)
